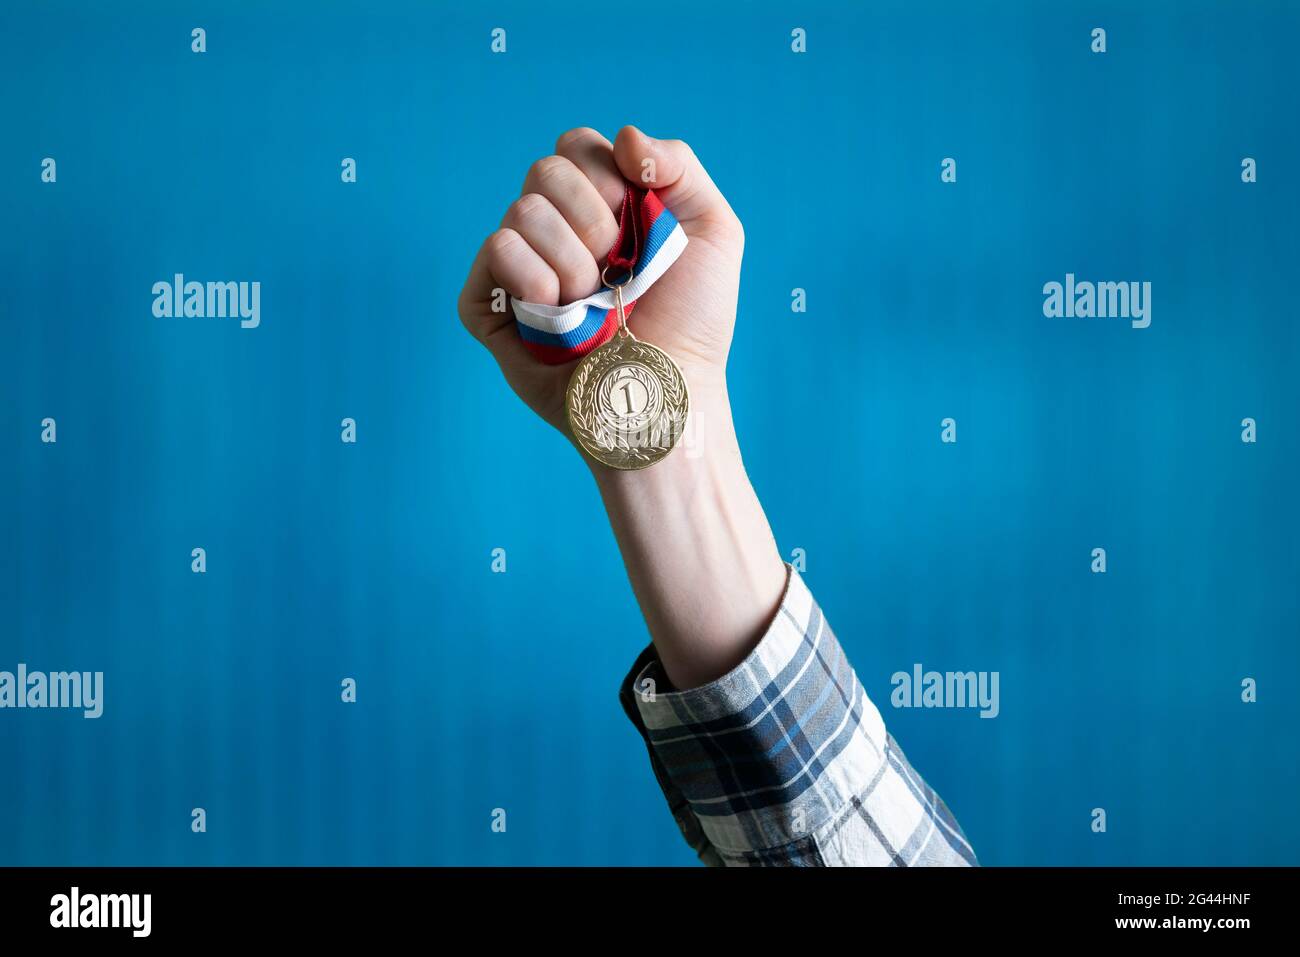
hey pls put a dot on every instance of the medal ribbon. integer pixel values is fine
(649, 240)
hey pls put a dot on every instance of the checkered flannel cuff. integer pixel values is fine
(784, 760)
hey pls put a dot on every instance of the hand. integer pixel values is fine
(553, 241)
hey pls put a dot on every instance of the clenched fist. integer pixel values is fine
(553, 241)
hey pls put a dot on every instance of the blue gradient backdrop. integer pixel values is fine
(479, 691)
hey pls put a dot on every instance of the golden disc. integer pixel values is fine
(627, 403)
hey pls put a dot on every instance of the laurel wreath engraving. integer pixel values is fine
(639, 448)
(632, 422)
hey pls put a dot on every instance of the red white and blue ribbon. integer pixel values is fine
(558, 334)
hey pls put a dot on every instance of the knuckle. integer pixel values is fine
(579, 268)
(577, 281)
(536, 285)
(528, 206)
(597, 234)
(575, 135)
(500, 243)
(550, 170)
(524, 277)
(538, 288)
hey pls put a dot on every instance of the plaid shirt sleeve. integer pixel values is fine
(784, 761)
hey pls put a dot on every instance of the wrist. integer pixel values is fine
(696, 544)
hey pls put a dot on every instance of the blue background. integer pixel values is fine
(481, 690)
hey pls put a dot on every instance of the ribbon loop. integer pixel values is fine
(626, 248)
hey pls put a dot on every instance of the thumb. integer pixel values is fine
(671, 169)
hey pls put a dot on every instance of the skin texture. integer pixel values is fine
(698, 549)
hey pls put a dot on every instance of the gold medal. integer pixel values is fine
(627, 400)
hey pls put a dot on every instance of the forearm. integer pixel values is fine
(698, 549)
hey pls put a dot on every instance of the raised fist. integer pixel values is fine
(553, 241)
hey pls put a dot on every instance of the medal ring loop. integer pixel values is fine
(618, 298)
(604, 278)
